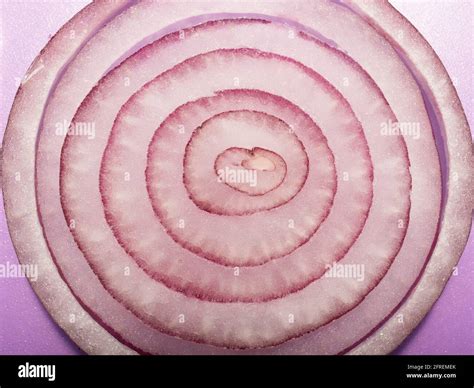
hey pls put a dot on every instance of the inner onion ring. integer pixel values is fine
(284, 168)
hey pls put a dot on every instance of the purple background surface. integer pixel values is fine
(25, 326)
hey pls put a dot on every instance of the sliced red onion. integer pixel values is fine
(236, 185)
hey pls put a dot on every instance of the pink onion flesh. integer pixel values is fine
(210, 186)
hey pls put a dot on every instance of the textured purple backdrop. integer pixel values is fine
(25, 326)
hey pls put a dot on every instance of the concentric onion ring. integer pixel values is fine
(236, 165)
